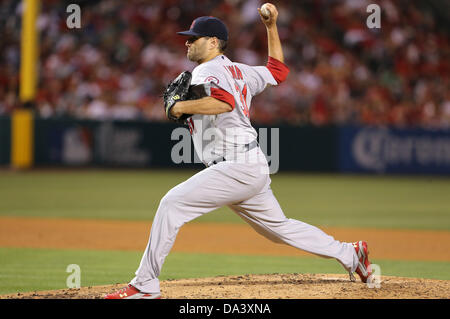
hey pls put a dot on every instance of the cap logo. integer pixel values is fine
(192, 24)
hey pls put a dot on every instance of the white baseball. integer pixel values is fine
(264, 11)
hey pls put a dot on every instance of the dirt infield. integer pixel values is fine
(238, 239)
(284, 286)
(235, 239)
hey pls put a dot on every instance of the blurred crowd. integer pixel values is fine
(118, 63)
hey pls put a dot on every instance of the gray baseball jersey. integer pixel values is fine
(224, 135)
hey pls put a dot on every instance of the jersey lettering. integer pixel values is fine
(235, 72)
(243, 98)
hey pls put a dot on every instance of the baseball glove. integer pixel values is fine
(177, 90)
(180, 89)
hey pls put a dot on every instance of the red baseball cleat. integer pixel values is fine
(364, 270)
(130, 292)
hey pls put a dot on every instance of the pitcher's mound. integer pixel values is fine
(274, 286)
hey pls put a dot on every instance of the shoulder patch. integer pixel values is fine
(212, 79)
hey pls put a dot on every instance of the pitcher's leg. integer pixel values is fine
(169, 217)
(265, 215)
(209, 189)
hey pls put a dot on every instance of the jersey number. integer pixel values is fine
(243, 97)
(191, 125)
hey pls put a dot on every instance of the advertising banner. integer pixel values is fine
(71, 142)
(389, 150)
(109, 143)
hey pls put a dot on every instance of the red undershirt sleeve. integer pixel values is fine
(278, 69)
(223, 96)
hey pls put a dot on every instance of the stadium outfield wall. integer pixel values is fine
(142, 144)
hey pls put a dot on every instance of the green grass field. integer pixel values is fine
(321, 200)
(325, 200)
(27, 269)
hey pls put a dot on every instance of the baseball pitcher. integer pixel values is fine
(215, 101)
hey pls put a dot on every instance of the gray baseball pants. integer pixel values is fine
(245, 188)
